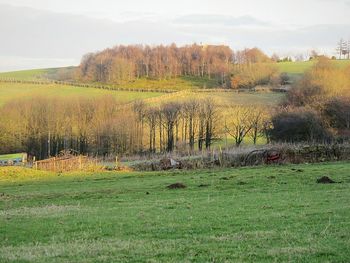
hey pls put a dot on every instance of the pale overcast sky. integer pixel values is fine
(50, 33)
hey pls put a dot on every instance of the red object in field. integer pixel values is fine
(273, 157)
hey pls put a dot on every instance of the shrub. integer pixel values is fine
(298, 125)
(337, 112)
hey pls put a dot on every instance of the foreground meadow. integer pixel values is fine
(265, 214)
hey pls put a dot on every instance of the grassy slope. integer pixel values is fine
(265, 214)
(172, 84)
(296, 69)
(224, 98)
(248, 98)
(33, 74)
(9, 91)
(181, 83)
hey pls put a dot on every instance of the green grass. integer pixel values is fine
(296, 69)
(11, 156)
(265, 214)
(248, 98)
(225, 99)
(181, 83)
(10, 91)
(33, 74)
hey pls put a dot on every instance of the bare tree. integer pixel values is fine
(341, 48)
(239, 124)
(151, 119)
(257, 120)
(191, 113)
(170, 112)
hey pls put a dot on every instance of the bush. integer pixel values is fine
(337, 112)
(249, 76)
(298, 125)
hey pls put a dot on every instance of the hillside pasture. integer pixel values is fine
(10, 91)
(296, 69)
(222, 98)
(265, 214)
(176, 84)
(34, 74)
(180, 83)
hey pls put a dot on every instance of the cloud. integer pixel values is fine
(36, 33)
(212, 19)
(49, 39)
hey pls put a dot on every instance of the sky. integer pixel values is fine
(54, 33)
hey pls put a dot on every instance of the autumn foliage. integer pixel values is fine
(121, 64)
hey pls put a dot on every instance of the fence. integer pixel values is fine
(117, 88)
(84, 85)
(63, 164)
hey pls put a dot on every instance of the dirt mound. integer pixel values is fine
(176, 186)
(325, 180)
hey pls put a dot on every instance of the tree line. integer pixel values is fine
(122, 64)
(126, 63)
(43, 127)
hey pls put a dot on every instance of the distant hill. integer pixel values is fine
(40, 74)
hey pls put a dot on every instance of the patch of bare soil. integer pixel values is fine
(176, 186)
(325, 180)
(204, 185)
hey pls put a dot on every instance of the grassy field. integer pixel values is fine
(296, 69)
(224, 98)
(248, 98)
(181, 83)
(10, 156)
(9, 91)
(33, 74)
(265, 214)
